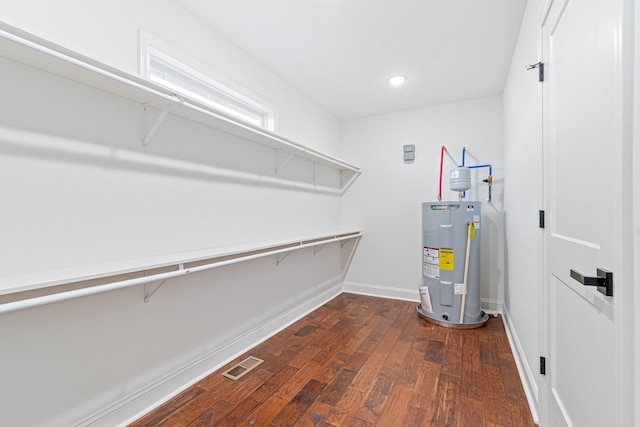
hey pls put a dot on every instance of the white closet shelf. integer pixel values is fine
(24, 291)
(26, 48)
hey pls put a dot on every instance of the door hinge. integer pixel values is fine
(540, 67)
(543, 366)
(541, 219)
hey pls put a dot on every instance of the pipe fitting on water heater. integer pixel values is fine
(460, 177)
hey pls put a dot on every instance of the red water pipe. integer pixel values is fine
(444, 150)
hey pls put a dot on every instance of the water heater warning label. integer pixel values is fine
(446, 259)
(431, 271)
(431, 255)
(431, 263)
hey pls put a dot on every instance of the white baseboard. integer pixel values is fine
(381, 291)
(527, 377)
(488, 305)
(491, 306)
(136, 405)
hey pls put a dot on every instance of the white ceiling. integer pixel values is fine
(341, 52)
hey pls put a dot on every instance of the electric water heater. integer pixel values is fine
(450, 289)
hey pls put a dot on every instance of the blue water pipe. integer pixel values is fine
(489, 179)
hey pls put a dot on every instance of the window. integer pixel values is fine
(168, 72)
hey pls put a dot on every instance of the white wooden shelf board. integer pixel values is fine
(31, 50)
(47, 279)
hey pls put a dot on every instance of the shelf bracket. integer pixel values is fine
(148, 133)
(280, 259)
(318, 249)
(148, 293)
(346, 178)
(341, 178)
(279, 167)
(314, 174)
(351, 176)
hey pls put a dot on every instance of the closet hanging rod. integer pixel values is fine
(77, 293)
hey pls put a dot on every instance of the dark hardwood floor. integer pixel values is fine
(362, 361)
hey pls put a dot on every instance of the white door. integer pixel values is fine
(582, 101)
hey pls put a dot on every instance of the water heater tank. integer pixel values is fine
(445, 236)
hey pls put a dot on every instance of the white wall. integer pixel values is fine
(79, 190)
(81, 176)
(386, 200)
(523, 198)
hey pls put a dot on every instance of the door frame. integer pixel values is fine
(632, 24)
(627, 198)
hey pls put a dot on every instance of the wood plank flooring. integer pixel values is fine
(362, 361)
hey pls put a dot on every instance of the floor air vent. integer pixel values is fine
(242, 368)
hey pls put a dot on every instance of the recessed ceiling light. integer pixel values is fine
(397, 80)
